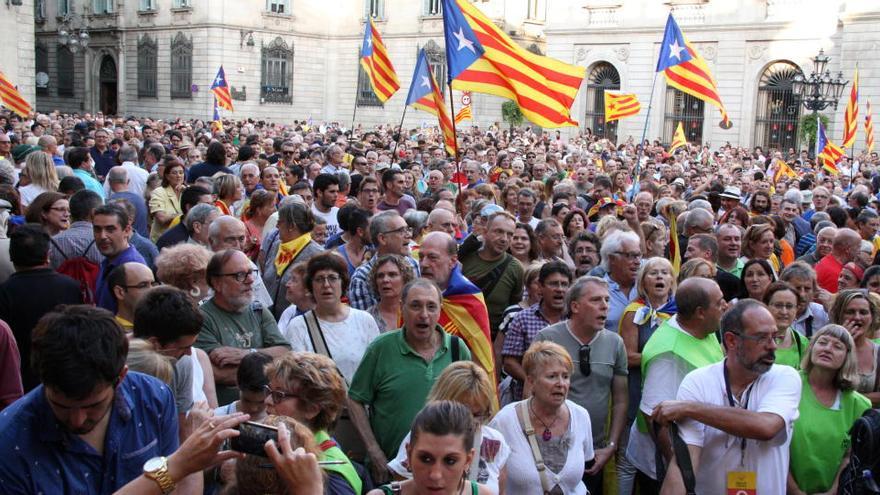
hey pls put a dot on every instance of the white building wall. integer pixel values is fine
(17, 35)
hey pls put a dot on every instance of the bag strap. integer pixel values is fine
(683, 459)
(456, 351)
(489, 281)
(316, 335)
(877, 368)
(58, 248)
(526, 424)
(86, 250)
(475, 463)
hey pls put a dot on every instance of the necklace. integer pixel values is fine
(547, 434)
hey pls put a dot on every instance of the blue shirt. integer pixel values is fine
(40, 456)
(619, 301)
(103, 297)
(103, 161)
(140, 207)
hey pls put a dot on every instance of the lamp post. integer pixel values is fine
(820, 90)
(73, 32)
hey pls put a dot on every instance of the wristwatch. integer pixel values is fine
(157, 470)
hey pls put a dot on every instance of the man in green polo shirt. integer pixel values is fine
(397, 372)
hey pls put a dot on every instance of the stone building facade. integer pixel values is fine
(295, 59)
(17, 37)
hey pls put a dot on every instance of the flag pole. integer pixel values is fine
(635, 188)
(400, 135)
(454, 136)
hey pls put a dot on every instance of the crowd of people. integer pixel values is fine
(548, 314)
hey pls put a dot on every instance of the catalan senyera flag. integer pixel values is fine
(674, 247)
(678, 139)
(220, 88)
(869, 129)
(620, 105)
(464, 114)
(463, 313)
(851, 115)
(783, 170)
(377, 65)
(482, 58)
(686, 70)
(12, 99)
(424, 94)
(827, 153)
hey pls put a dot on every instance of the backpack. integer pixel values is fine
(83, 270)
(864, 463)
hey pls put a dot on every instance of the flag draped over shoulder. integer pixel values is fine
(220, 88)
(12, 99)
(424, 94)
(851, 115)
(686, 70)
(827, 153)
(464, 314)
(678, 140)
(869, 129)
(482, 58)
(377, 65)
(620, 105)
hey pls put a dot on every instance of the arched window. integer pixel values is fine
(181, 66)
(146, 67)
(684, 108)
(603, 76)
(277, 77)
(776, 118)
(437, 60)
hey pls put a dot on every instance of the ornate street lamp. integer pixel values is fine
(73, 32)
(820, 89)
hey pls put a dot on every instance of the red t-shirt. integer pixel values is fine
(827, 271)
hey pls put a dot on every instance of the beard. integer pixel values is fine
(758, 365)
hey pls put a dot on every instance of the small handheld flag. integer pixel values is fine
(464, 114)
(220, 88)
(678, 140)
(869, 129)
(12, 99)
(620, 105)
(783, 170)
(851, 115)
(377, 65)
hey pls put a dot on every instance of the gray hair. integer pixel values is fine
(613, 243)
(798, 270)
(117, 175)
(297, 215)
(198, 214)
(416, 219)
(128, 154)
(248, 165)
(219, 223)
(794, 196)
(423, 283)
(576, 290)
(697, 217)
(379, 223)
(699, 204)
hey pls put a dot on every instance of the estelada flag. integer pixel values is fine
(12, 99)
(463, 313)
(424, 94)
(620, 105)
(827, 153)
(678, 140)
(220, 88)
(482, 58)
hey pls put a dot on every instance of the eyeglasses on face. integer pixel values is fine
(279, 396)
(628, 256)
(401, 230)
(328, 279)
(143, 285)
(239, 276)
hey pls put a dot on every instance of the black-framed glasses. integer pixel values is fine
(239, 276)
(143, 285)
(762, 339)
(584, 360)
(279, 396)
(401, 230)
(331, 279)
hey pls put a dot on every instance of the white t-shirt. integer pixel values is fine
(494, 453)
(347, 340)
(330, 218)
(28, 193)
(777, 391)
(522, 475)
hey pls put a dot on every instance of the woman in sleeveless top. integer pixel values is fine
(859, 312)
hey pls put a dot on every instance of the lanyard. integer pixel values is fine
(742, 445)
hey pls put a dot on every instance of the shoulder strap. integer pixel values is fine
(488, 282)
(526, 424)
(877, 368)
(316, 335)
(683, 459)
(456, 351)
(57, 247)
(86, 250)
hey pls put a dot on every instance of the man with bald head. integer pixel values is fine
(680, 345)
(128, 283)
(441, 220)
(436, 182)
(463, 311)
(228, 232)
(844, 249)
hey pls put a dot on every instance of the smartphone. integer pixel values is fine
(253, 437)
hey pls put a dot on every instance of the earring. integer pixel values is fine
(195, 292)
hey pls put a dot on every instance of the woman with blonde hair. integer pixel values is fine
(859, 313)
(697, 267)
(828, 408)
(468, 384)
(229, 191)
(185, 266)
(143, 358)
(42, 176)
(759, 242)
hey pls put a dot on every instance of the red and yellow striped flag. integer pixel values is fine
(12, 99)
(424, 94)
(543, 87)
(678, 140)
(783, 169)
(869, 129)
(377, 65)
(619, 105)
(464, 114)
(851, 116)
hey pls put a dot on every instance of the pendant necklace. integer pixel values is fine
(547, 434)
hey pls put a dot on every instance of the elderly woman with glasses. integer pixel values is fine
(331, 328)
(466, 383)
(783, 301)
(858, 311)
(561, 430)
(828, 408)
(309, 388)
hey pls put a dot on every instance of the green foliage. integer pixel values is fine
(807, 128)
(511, 114)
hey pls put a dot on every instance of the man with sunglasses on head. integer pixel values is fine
(234, 325)
(600, 367)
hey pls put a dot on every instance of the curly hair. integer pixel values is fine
(182, 265)
(315, 378)
(406, 270)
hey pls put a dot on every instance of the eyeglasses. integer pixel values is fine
(239, 276)
(783, 307)
(331, 279)
(584, 360)
(629, 256)
(279, 396)
(143, 285)
(762, 339)
(401, 230)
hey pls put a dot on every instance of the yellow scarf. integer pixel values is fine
(287, 251)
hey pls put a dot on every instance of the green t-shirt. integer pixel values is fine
(394, 380)
(791, 356)
(508, 290)
(821, 437)
(253, 328)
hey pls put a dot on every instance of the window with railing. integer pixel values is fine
(102, 6)
(147, 65)
(181, 66)
(437, 61)
(366, 97)
(41, 62)
(778, 111)
(277, 74)
(602, 76)
(63, 7)
(684, 108)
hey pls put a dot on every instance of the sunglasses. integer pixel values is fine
(584, 360)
